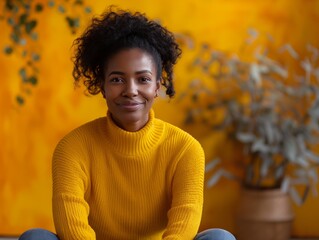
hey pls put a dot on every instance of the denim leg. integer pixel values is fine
(38, 234)
(215, 234)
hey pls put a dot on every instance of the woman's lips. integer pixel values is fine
(130, 105)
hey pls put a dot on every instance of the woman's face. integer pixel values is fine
(130, 86)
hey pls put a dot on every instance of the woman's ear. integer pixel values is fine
(158, 86)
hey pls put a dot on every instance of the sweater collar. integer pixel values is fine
(133, 143)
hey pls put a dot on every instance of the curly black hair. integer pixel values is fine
(116, 30)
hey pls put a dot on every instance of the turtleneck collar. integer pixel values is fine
(133, 143)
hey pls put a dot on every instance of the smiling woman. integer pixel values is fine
(130, 87)
(127, 175)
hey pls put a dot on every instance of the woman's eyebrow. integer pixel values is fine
(137, 72)
(116, 72)
(144, 71)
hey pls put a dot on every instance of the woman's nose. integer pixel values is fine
(131, 89)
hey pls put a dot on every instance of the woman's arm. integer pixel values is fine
(185, 213)
(70, 182)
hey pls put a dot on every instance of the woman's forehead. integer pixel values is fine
(130, 58)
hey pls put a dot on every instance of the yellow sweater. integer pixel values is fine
(112, 184)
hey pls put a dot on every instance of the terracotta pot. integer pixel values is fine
(264, 215)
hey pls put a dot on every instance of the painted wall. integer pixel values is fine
(28, 134)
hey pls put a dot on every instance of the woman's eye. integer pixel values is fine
(116, 80)
(145, 79)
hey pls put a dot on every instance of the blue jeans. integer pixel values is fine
(209, 234)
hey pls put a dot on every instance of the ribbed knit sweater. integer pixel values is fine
(109, 183)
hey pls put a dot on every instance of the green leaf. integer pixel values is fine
(23, 74)
(51, 3)
(11, 21)
(312, 156)
(23, 19)
(35, 57)
(72, 22)
(270, 130)
(266, 164)
(9, 5)
(20, 100)
(212, 164)
(8, 50)
(33, 80)
(29, 26)
(245, 137)
(15, 37)
(61, 9)
(79, 2)
(27, 6)
(76, 22)
(34, 36)
(88, 10)
(290, 149)
(259, 146)
(285, 184)
(15, 9)
(23, 42)
(302, 161)
(295, 196)
(39, 7)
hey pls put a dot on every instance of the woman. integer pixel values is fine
(128, 175)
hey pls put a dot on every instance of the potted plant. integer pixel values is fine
(267, 102)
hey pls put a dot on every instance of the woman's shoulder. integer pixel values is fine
(176, 133)
(181, 143)
(85, 131)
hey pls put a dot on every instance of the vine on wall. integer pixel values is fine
(22, 17)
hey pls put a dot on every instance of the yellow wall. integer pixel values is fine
(28, 134)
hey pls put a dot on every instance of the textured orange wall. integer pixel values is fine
(28, 134)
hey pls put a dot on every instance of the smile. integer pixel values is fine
(130, 106)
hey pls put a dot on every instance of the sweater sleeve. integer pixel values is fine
(185, 213)
(70, 210)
